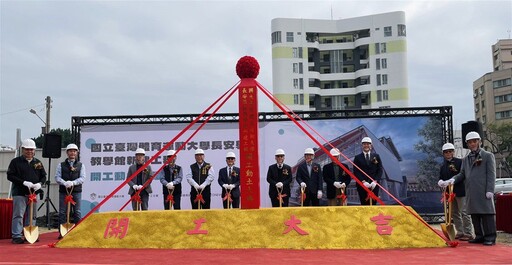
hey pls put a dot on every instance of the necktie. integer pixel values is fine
(229, 173)
(367, 158)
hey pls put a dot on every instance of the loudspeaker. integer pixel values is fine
(52, 145)
(470, 126)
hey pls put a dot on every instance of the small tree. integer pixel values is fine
(499, 137)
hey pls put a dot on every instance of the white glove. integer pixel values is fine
(141, 187)
(170, 185)
(303, 185)
(489, 195)
(450, 181)
(231, 186)
(343, 185)
(441, 184)
(202, 186)
(373, 185)
(36, 186)
(319, 194)
(28, 184)
(70, 184)
(196, 186)
(135, 187)
(279, 184)
(368, 185)
(337, 184)
(225, 186)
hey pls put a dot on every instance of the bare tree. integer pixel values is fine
(499, 138)
(431, 140)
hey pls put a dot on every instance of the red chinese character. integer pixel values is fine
(381, 221)
(293, 225)
(197, 230)
(115, 229)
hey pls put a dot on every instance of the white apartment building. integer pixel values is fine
(355, 63)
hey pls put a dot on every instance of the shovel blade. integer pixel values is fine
(451, 232)
(31, 233)
(444, 228)
(64, 228)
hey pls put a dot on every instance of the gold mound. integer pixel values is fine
(353, 227)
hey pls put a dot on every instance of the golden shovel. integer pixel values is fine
(279, 195)
(343, 202)
(171, 191)
(302, 196)
(31, 232)
(447, 227)
(64, 228)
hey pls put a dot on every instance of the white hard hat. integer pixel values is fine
(472, 135)
(71, 147)
(170, 153)
(309, 151)
(335, 152)
(448, 146)
(199, 152)
(366, 140)
(230, 154)
(28, 144)
(140, 151)
(279, 152)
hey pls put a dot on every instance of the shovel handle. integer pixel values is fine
(279, 192)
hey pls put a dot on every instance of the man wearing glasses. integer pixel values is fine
(229, 180)
(279, 177)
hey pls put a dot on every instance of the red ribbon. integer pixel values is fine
(448, 197)
(32, 198)
(136, 198)
(343, 197)
(371, 196)
(281, 196)
(170, 198)
(227, 197)
(199, 197)
(69, 198)
(453, 244)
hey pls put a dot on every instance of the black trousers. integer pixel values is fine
(363, 195)
(235, 203)
(177, 202)
(485, 226)
(311, 199)
(275, 201)
(206, 198)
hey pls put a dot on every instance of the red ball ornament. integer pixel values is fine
(247, 67)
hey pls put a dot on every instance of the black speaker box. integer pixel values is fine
(470, 126)
(52, 145)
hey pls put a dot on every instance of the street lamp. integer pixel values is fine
(43, 129)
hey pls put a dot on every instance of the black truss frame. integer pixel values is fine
(445, 112)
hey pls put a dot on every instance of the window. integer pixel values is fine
(385, 79)
(379, 95)
(295, 68)
(503, 99)
(384, 63)
(289, 36)
(385, 95)
(300, 68)
(301, 99)
(483, 104)
(377, 48)
(296, 83)
(296, 99)
(301, 83)
(383, 48)
(377, 64)
(295, 52)
(401, 30)
(387, 32)
(503, 115)
(501, 83)
(378, 80)
(276, 37)
(481, 90)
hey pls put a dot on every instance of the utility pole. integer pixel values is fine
(48, 108)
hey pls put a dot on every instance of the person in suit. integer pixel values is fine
(229, 180)
(451, 167)
(200, 177)
(139, 182)
(479, 174)
(368, 169)
(279, 177)
(336, 179)
(170, 177)
(309, 176)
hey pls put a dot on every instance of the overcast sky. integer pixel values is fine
(177, 57)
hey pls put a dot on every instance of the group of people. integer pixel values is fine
(473, 179)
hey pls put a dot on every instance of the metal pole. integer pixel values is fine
(48, 108)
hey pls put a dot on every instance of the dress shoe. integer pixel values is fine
(476, 241)
(465, 238)
(18, 240)
(489, 243)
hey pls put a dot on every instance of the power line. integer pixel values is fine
(24, 109)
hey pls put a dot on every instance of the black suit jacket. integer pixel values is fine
(373, 169)
(447, 172)
(273, 178)
(313, 182)
(328, 174)
(235, 179)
